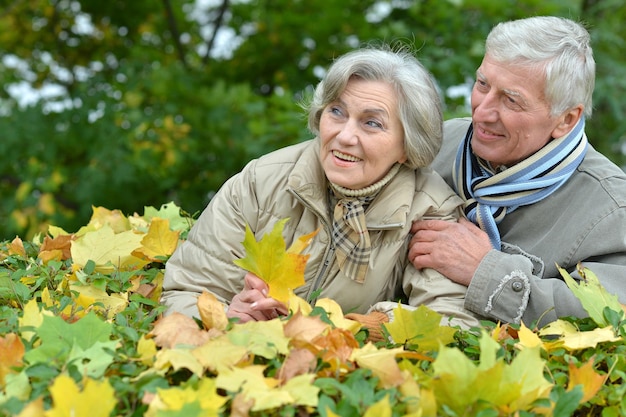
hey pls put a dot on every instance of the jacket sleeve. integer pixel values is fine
(204, 261)
(428, 287)
(502, 286)
(511, 286)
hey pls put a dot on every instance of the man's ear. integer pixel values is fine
(567, 121)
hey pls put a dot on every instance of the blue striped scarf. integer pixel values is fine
(490, 196)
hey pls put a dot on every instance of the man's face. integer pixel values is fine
(510, 114)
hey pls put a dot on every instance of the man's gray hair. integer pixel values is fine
(560, 47)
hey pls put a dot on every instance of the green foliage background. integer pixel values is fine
(153, 111)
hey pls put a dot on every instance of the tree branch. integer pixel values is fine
(216, 27)
(171, 23)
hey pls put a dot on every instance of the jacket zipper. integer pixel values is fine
(329, 253)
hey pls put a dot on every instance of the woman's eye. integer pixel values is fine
(374, 123)
(336, 110)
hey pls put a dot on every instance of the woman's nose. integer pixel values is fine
(348, 132)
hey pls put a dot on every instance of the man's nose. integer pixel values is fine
(485, 108)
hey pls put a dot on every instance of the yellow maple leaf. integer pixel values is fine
(421, 326)
(160, 241)
(211, 312)
(109, 250)
(219, 353)
(295, 304)
(282, 270)
(180, 358)
(263, 338)
(33, 409)
(526, 370)
(335, 314)
(32, 318)
(528, 338)
(97, 399)
(90, 298)
(382, 363)
(16, 247)
(175, 398)
(146, 348)
(266, 392)
(573, 339)
(234, 378)
(419, 401)
(586, 376)
(380, 408)
(113, 218)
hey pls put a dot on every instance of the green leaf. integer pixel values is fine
(421, 327)
(592, 295)
(59, 338)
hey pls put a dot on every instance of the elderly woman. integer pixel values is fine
(361, 181)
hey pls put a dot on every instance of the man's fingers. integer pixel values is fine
(429, 224)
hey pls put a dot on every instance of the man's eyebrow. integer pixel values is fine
(506, 91)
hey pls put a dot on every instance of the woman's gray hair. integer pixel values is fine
(419, 103)
(560, 47)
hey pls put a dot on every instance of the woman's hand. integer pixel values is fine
(252, 303)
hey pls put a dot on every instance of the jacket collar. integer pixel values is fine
(388, 210)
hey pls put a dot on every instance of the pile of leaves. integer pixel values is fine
(82, 334)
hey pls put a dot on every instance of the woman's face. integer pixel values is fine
(361, 134)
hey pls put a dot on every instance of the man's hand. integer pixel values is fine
(453, 249)
(252, 303)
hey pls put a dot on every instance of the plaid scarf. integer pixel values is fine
(352, 240)
(489, 196)
(350, 234)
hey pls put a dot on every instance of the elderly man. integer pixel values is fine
(537, 194)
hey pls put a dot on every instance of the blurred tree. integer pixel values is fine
(151, 101)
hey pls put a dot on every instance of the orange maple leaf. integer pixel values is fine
(212, 312)
(11, 354)
(586, 376)
(175, 329)
(16, 247)
(58, 248)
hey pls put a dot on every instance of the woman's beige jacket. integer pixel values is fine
(290, 183)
